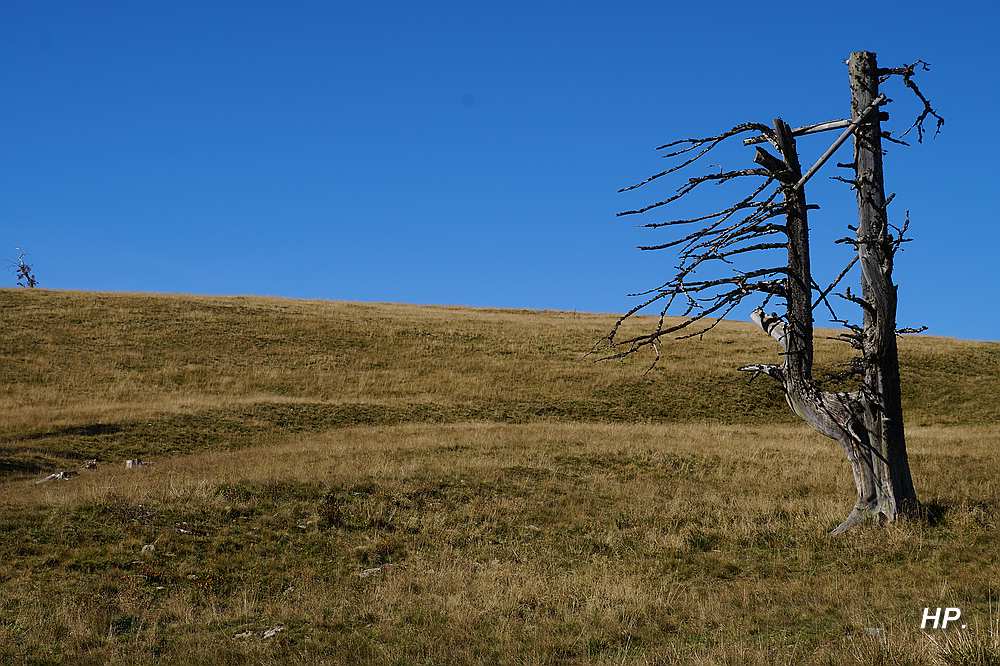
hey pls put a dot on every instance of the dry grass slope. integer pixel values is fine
(400, 484)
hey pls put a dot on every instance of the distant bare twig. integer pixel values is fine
(25, 274)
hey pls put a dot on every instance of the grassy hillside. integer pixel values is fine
(402, 484)
(114, 376)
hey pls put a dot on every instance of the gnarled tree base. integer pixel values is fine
(841, 417)
(858, 516)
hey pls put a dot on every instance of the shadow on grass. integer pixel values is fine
(89, 430)
(938, 513)
(935, 513)
(20, 466)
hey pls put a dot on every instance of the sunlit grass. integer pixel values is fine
(394, 484)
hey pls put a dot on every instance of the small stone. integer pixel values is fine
(64, 475)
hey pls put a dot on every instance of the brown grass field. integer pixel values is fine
(396, 484)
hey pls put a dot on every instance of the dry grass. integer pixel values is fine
(508, 501)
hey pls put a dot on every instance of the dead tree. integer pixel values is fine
(25, 276)
(762, 240)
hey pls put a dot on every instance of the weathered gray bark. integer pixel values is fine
(868, 423)
(883, 404)
(835, 415)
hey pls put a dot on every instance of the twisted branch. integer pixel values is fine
(907, 72)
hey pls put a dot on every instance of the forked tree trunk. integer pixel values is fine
(837, 415)
(868, 423)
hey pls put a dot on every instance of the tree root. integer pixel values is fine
(859, 516)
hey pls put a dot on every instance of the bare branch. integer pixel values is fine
(907, 72)
(865, 305)
(705, 143)
(779, 170)
(891, 139)
(743, 204)
(900, 237)
(692, 183)
(805, 129)
(881, 99)
(840, 276)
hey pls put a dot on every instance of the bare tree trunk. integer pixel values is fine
(883, 409)
(839, 416)
(798, 282)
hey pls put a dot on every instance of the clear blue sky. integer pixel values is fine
(462, 153)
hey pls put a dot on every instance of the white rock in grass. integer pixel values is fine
(273, 631)
(64, 475)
